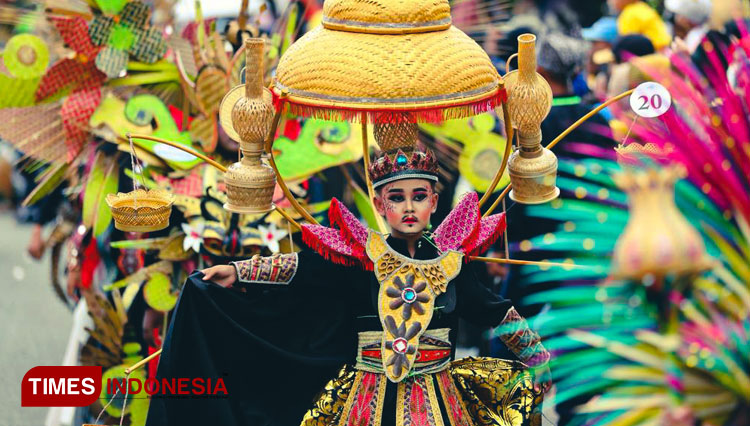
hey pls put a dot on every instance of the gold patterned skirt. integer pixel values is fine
(468, 392)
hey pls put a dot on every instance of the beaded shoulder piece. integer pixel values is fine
(406, 300)
(465, 230)
(344, 243)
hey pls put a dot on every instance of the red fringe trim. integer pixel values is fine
(483, 246)
(311, 240)
(396, 115)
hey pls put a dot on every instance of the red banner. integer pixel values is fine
(58, 386)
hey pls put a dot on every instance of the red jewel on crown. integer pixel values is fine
(419, 162)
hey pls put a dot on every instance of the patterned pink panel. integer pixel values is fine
(460, 225)
(364, 409)
(351, 228)
(490, 229)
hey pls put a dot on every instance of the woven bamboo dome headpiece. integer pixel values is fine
(383, 58)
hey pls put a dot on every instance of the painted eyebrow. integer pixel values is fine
(395, 190)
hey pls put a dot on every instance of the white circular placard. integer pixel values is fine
(650, 100)
(171, 153)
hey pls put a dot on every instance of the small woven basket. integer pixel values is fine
(141, 210)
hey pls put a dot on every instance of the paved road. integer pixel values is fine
(34, 324)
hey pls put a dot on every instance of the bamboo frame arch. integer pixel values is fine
(365, 146)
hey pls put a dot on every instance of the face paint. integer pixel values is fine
(407, 205)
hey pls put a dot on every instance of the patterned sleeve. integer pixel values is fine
(514, 331)
(276, 269)
(305, 269)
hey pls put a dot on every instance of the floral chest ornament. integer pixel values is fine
(406, 300)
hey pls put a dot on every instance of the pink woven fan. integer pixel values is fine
(81, 76)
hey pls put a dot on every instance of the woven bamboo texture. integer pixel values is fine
(141, 210)
(249, 200)
(249, 187)
(227, 105)
(345, 70)
(36, 131)
(386, 16)
(394, 136)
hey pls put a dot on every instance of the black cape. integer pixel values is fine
(272, 358)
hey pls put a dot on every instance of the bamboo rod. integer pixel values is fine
(561, 136)
(506, 156)
(583, 119)
(528, 262)
(288, 218)
(368, 181)
(142, 362)
(180, 147)
(272, 161)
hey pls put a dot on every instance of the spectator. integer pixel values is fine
(601, 35)
(691, 18)
(637, 17)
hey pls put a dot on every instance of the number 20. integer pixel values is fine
(655, 102)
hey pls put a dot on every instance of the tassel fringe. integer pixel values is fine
(311, 240)
(483, 246)
(395, 116)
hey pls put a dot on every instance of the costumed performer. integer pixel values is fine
(386, 307)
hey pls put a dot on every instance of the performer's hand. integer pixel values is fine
(74, 282)
(223, 275)
(542, 378)
(36, 243)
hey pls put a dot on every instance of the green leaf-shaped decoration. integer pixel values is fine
(102, 180)
(158, 292)
(362, 201)
(111, 7)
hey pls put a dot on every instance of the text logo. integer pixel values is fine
(58, 386)
(173, 386)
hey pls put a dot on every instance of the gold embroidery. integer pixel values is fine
(400, 398)
(387, 264)
(381, 401)
(416, 402)
(368, 391)
(350, 400)
(406, 300)
(433, 400)
(329, 405)
(454, 404)
(496, 391)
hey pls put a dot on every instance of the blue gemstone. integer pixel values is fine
(401, 160)
(409, 295)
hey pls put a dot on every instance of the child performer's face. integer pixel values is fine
(407, 205)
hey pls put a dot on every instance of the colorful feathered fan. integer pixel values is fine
(618, 360)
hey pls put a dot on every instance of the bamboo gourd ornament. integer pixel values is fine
(532, 168)
(250, 182)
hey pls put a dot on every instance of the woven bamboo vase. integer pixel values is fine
(657, 239)
(532, 168)
(250, 182)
